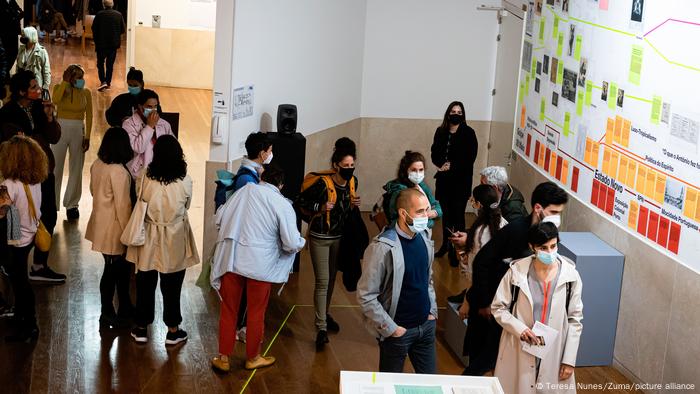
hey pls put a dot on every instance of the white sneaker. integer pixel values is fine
(241, 334)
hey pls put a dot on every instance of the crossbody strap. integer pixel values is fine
(30, 200)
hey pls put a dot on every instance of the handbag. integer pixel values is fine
(135, 231)
(42, 238)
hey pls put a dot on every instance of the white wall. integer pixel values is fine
(421, 55)
(303, 52)
(176, 14)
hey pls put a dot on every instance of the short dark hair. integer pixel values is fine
(145, 95)
(403, 200)
(548, 193)
(408, 158)
(344, 147)
(168, 163)
(135, 75)
(541, 233)
(256, 143)
(115, 147)
(273, 175)
(20, 82)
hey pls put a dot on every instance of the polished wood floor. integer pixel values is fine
(72, 355)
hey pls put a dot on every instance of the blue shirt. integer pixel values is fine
(414, 301)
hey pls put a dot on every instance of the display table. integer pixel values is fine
(352, 382)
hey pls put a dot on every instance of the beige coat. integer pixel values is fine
(170, 244)
(111, 207)
(516, 369)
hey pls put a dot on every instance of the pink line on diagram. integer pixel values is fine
(670, 20)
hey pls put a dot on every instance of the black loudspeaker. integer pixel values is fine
(287, 118)
(289, 154)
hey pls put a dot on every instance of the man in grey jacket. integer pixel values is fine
(396, 288)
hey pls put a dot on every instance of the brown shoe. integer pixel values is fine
(220, 365)
(259, 362)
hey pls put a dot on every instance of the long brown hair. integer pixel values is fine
(408, 158)
(22, 159)
(446, 118)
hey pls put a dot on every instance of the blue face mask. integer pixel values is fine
(79, 83)
(547, 258)
(419, 224)
(134, 90)
(147, 111)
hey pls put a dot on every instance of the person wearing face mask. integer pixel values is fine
(396, 291)
(511, 201)
(411, 174)
(259, 153)
(33, 57)
(326, 224)
(74, 103)
(257, 241)
(36, 119)
(453, 151)
(544, 287)
(107, 29)
(491, 263)
(124, 105)
(144, 127)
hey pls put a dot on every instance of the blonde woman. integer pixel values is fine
(74, 103)
(32, 56)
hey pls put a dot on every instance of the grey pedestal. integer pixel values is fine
(455, 329)
(600, 267)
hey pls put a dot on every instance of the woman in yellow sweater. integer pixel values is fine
(74, 103)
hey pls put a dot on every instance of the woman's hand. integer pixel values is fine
(355, 201)
(565, 372)
(459, 239)
(445, 167)
(328, 206)
(49, 109)
(463, 310)
(67, 77)
(153, 119)
(528, 336)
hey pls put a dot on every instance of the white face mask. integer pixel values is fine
(268, 159)
(416, 176)
(554, 219)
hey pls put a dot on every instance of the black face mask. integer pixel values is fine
(24, 40)
(455, 119)
(346, 173)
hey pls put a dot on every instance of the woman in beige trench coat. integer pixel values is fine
(110, 186)
(170, 246)
(543, 282)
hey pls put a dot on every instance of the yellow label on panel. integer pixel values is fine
(543, 106)
(577, 50)
(609, 130)
(567, 123)
(606, 161)
(656, 104)
(589, 92)
(660, 188)
(622, 172)
(650, 186)
(555, 29)
(691, 199)
(579, 102)
(618, 130)
(633, 214)
(543, 21)
(631, 172)
(612, 96)
(614, 160)
(595, 154)
(553, 165)
(641, 179)
(564, 171)
(635, 75)
(560, 73)
(697, 211)
(588, 153)
(560, 45)
(626, 128)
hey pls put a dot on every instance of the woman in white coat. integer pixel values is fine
(546, 288)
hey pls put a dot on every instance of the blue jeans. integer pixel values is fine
(417, 343)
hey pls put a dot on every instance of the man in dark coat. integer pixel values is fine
(489, 267)
(107, 29)
(10, 17)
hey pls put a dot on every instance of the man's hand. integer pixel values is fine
(152, 119)
(565, 371)
(458, 239)
(463, 310)
(431, 317)
(485, 312)
(355, 202)
(400, 331)
(328, 206)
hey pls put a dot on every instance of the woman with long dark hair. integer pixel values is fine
(326, 228)
(453, 151)
(170, 246)
(110, 186)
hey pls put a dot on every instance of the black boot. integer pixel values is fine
(321, 340)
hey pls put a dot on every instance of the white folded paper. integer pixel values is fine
(548, 333)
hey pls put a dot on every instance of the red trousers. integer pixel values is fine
(232, 286)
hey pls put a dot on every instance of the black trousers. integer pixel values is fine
(116, 275)
(49, 214)
(107, 56)
(25, 311)
(481, 344)
(453, 197)
(170, 288)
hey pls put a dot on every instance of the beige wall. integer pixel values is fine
(175, 57)
(384, 141)
(657, 339)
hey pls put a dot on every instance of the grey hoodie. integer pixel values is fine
(379, 287)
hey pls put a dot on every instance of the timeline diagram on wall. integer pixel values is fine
(607, 107)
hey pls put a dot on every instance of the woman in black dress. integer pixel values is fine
(453, 152)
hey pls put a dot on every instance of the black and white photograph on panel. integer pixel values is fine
(527, 56)
(530, 18)
(572, 38)
(565, 5)
(539, 68)
(604, 95)
(620, 97)
(545, 64)
(637, 10)
(674, 194)
(583, 68)
(537, 85)
(555, 99)
(568, 87)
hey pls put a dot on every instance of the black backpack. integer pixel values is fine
(222, 190)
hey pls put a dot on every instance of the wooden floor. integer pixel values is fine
(71, 354)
